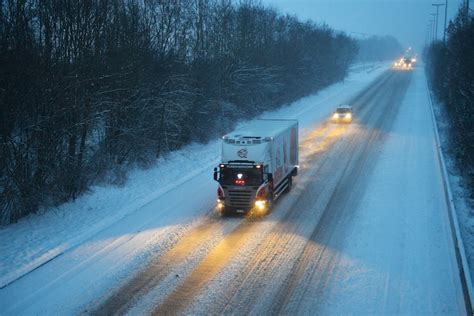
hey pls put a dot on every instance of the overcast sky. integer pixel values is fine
(407, 20)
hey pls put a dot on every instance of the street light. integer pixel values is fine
(437, 5)
(434, 26)
(445, 17)
(429, 33)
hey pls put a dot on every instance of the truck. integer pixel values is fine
(258, 163)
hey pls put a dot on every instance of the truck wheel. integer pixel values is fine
(290, 183)
(294, 172)
(269, 205)
(225, 211)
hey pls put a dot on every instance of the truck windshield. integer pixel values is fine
(241, 176)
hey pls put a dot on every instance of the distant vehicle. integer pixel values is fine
(406, 62)
(343, 114)
(257, 165)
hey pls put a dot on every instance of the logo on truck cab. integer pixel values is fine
(242, 153)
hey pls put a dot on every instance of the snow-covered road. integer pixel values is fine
(364, 230)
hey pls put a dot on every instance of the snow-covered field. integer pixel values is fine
(112, 230)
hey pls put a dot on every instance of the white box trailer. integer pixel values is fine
(257, 165)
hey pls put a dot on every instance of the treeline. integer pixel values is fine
(379, 48)
(450, 70)
(89, 87)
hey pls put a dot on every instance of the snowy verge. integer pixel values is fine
(34, 241)
(461, 258)
(38, 239)
(367, 67)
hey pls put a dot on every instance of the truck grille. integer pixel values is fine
(240, 198)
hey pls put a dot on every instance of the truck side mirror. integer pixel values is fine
(215, 174)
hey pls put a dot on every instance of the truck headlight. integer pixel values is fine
(260, 204)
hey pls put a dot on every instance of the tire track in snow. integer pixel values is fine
(199, 237)
(150, 278)
(237, 242)
(288, 238)
(206, 263)
(312, 276)
(181, 297)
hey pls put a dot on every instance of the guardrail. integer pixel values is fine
(461, 259)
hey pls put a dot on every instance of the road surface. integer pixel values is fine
(364, 230)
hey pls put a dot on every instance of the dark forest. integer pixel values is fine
(90, 88)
